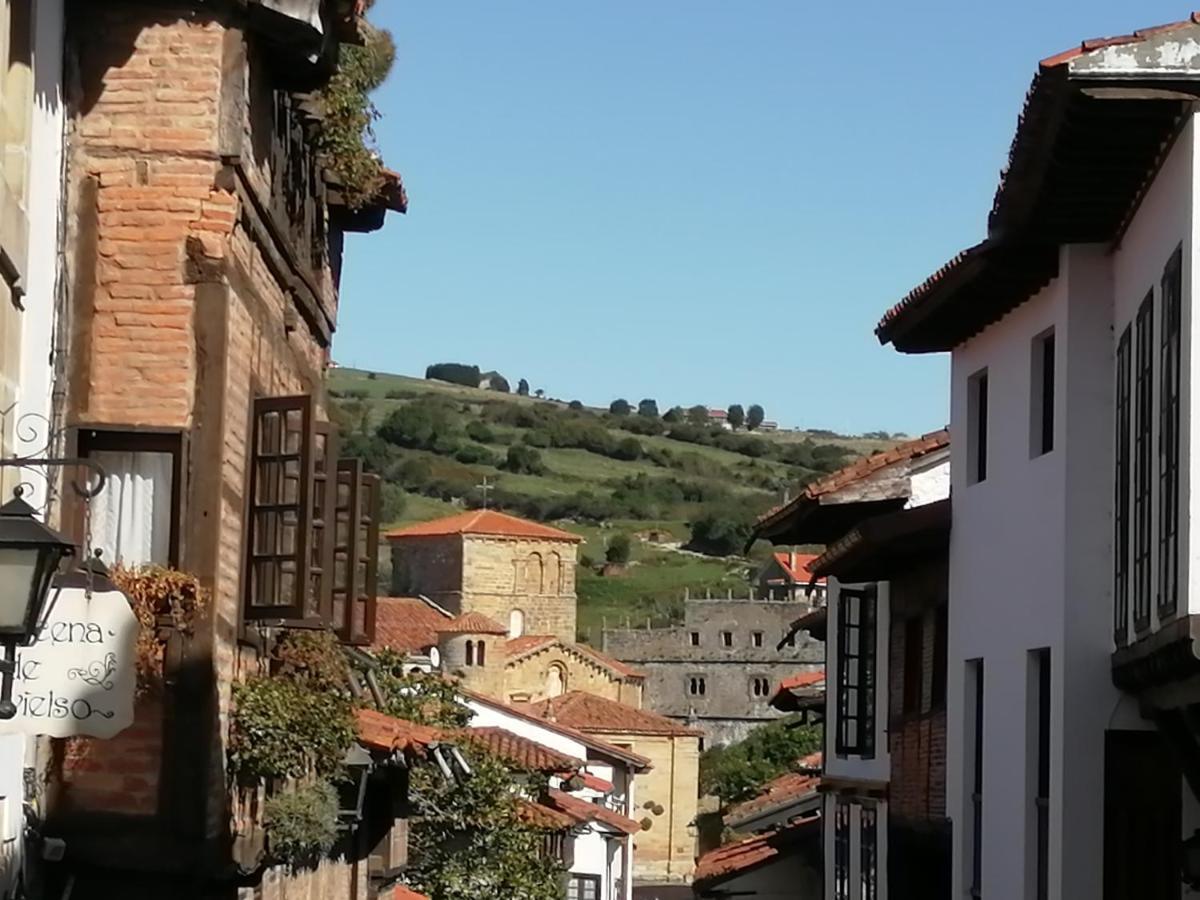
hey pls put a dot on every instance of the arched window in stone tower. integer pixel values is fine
(553, 583)
(535, 573)
(481, 654)
(556, 680)
(516, 623)
(470, 653)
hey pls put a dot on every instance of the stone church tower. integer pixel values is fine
(518, 573)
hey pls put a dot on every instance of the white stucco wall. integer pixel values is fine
(930, 480)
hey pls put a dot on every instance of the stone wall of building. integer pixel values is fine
(430, 566)
(666, 800)
(719, 669)
(530, 679)
(536, 577)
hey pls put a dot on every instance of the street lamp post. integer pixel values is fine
(30, 554)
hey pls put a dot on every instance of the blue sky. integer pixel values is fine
(699, 201)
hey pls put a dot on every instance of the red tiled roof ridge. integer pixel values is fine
(746, 853)
(407, 624)
(779, 791)
(586, 811)
(801, 574)
(1100, 43)
(472, 622)
(591, 712)
(521, 751)
(802, 679)
(529, 715)
(541, 816)
(401, 892)
(917, 294)
(486, 522)
(379, 731)
(861, 468)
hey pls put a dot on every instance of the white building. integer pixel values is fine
(856, 624)
(1071, 331)
(602, 803)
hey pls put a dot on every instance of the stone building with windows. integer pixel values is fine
(718, 671)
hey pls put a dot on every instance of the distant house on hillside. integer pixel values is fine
(769, 425)
(719, 417)
(786, 576)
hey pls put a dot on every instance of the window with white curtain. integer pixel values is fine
(131, 518)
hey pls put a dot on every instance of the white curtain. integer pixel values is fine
(131, 517)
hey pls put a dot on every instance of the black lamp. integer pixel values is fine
(30, 554)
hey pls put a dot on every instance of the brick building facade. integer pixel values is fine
(201, 261)
(719, 669)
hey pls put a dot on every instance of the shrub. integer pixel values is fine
(536, 437)
(301, 823)
(619, 549)
(418, 425)
(629, 449)
(575, 405)
(479, 431)
(698, 414)
(640, 425)
(620, 407)
(393, 501)
(673, 415)
(523, 460)
(722, 530)
(284, 729)
(476, 454)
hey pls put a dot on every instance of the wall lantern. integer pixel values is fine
(352, 793)
(1190, 860)
(30, 554)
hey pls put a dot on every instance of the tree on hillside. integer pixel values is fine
(620, 407)
(523, 388)
(575, 405)
(736, 416)
(673, 415)
(648, 409)
(455, 373)
(524, 460)
(418, 425)
(722, 530)
(754, 416)
(497, 382)
(698, 414)
(539, 393)
(619, 549)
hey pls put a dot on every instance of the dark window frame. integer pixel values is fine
(576, 891)
(760, 687)
(694, 639)
(756, 638)
(868, 851)
(726, 639)
(841, 850)
(355, 586)
(1041, 798)
(92, 439)
(1042, 394)
(975, 886)
(697, 687)
(856, 637)
(1168, 436)
(1123, 479)
(977, 418)
(1143, 461)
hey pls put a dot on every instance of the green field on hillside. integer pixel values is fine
(436, 445)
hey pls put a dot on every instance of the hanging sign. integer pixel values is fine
(79, 675)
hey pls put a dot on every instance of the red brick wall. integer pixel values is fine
(916, 740)
(118, 775)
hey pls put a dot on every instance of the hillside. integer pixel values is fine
(440, 447)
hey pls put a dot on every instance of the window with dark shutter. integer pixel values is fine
(355, 553)
(1121, 529)
(280, 509)
(1168, 438)
(1143, 454)
(856, 673)
(319, 601)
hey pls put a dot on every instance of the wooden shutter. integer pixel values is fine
(319, 601)
(355, 552)
(280, 508)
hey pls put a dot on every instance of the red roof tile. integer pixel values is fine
(407, 624)
(585, 811)
(541, 816)
(863, 468)
(472, 623)
(595, 782)
(380, 731)
(483, 521)
(525, 711)
(588, 712)
(748, 853)
(1099, 43)
(520, 751)
(800, 574)
(803, 680)
(401, 892)
(528, 644)
(787, 788)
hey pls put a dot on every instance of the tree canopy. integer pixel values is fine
(648, 409)
(736, 772)
(754, 416)
(620, 407)
(736, 416)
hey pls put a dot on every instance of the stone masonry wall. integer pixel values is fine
(502, 574)
(729, 707)
(431, 566)
(527, 678)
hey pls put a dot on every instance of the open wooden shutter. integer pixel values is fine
(280, 508)
(355, 552)
(319, 601)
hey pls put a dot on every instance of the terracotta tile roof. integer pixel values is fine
(914, 297)
(786, 789)
(863, 468)
(748, 853)
(588, 712)
(585, 811)
(401, 892)
(407, 624)
(379, 731)
(483, 521)
(803, 680)
(1099, 43)
(472, 623)
(528, 644)
(595, 782)
(541, 816)
(526, 712)
(800, 574)
(520, 751)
